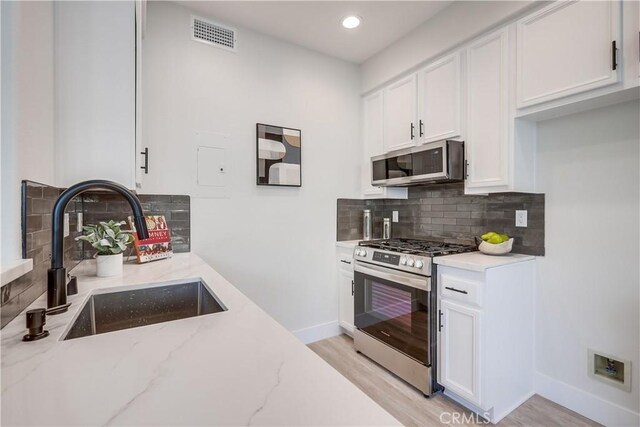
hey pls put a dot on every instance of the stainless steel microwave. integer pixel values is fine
(441, 161)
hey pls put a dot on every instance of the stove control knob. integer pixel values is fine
(410, 262)
(419, 264)
(363, 252)
(403, 261)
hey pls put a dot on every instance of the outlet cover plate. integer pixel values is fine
(66, 225)
(521, 218)
(395, 216)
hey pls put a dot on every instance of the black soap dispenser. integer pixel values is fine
(36, 319)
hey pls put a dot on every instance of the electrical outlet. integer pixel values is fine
(395, 216)
(79, 219)
(521, 218)
(66, 225)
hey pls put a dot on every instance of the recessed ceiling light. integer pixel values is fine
(351, 22)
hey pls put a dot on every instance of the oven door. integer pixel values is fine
(393, 307)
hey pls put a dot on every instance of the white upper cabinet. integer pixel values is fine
(373, 112)
(400, 109)
(372, 133)
(439, 97)
(567, 48)
(95, 80)
(372, 136)
(487, 147)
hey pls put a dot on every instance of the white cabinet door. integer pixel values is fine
(439, 100)
(95, 80)
(400, 127)
(460, 350)
(372, 138)
(372, 135)
(345, 279)
(487, 131)
(567, 48)
(140, 161)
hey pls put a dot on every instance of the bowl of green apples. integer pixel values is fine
(495, 244)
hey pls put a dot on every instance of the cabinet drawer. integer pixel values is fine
(454, 288)
(344, 258)
(345, 263)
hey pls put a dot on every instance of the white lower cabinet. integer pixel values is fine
(346, 300)
(345, 289)
(460, 340)
(485, 336)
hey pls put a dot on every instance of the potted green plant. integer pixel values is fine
(109, 240)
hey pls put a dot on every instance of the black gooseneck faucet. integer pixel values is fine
(57, 275)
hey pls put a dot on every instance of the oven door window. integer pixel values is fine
(393, 313)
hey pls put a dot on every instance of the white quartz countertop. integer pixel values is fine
(238, 367)
(477, 261)
(350, 244)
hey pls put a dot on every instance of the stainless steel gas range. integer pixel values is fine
(395, 305)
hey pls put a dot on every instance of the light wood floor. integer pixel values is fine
(411, 408)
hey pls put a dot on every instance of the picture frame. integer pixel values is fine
(278, 156)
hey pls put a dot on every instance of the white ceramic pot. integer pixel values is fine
(496, 249)
(108, 265)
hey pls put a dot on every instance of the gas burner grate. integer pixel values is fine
(418, 247)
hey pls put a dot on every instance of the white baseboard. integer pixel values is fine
(318, 332)
(586, 404)
(498, 417)
(494, 417)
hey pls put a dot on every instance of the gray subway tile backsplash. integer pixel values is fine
(445, 213)
(38, 200)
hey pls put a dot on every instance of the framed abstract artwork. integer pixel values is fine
(278, 156)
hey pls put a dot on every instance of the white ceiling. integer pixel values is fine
(317, 24)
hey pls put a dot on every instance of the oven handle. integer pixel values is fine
(422, 283)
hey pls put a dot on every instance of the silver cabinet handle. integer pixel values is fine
(456, 290)
(345, 261)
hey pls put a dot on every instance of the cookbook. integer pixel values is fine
(158, 245)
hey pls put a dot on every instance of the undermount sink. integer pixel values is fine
(114, 310)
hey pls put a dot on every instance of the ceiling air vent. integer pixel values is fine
(213, 34)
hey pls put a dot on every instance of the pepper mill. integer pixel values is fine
(366, 224)
(386, 228)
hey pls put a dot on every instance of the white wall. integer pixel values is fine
(275, 244)
(588, 282)
(453, 26)
(95, 91)
(27, 109)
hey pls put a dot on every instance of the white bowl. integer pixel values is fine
(496, 249)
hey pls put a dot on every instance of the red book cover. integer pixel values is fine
(158, 245)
